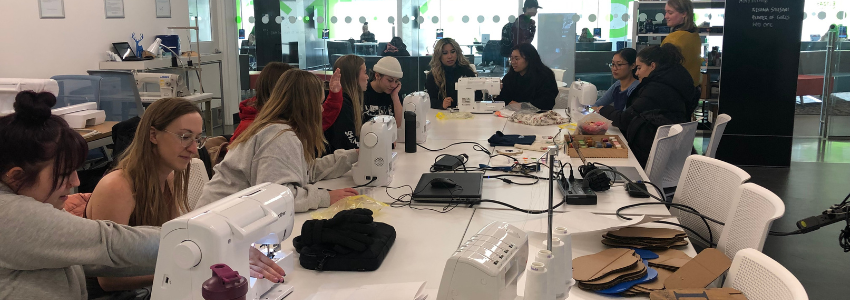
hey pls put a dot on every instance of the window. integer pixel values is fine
(200, 9)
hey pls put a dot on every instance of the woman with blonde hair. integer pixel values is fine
(282, 146)
(344, 133)
(447, 66)
(149, 185)
(679, 15)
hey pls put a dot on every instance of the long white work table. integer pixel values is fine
(426, 239)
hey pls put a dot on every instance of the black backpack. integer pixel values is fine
(507, 40)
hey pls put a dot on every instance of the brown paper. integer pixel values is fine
(700, 271)
(636, 269)
(658, 283)
(698, 294)
(597, 265)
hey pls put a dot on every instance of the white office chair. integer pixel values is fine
(709, 186)
(760, 277)
(753, 210)
(197, 180)
(716, 134)
(664, 167)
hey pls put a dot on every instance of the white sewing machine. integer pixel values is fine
(170, 85)
(377, 159)
(487, 266)
(417, 102)
(78, 115)
(582, 94)
(220, 233)
(466, 88)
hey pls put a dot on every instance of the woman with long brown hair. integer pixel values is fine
(344, 133)
(249, 108)
(282, 146)
(447, 66)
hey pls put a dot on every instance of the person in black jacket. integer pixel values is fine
(529, 80)
(660, 99)
(396, 47)
(447, 66)
(344, 133)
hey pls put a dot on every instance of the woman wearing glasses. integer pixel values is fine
(148, 187)
(623, 70)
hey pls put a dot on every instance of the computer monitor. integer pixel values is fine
(124, 51)
(842, 32)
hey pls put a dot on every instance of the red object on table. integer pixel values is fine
(809, 85)
(252, 77)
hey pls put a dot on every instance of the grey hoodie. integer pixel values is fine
(46, 253)
(275, 155)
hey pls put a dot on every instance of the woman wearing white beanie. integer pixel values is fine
(381, 96)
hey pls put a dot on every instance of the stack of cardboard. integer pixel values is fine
(705, 294)
(608, 268)
(668, 261)
(645, 238)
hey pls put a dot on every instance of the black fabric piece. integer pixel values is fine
(342, 134)
(660, 99)
(452, 74)
(501, 139)
(330, 257)
(537, 89)
(376, 104)
(122, 135)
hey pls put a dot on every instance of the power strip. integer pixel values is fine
(576, 192)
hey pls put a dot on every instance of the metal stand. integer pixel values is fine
(826, 102)
(553, 151)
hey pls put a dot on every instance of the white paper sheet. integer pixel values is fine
(581, 222)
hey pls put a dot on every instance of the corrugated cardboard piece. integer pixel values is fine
(608, 268)
(707, 266)
(645, 238)
(698, 294)
(670, 259)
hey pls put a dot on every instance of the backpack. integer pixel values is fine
(507, 40)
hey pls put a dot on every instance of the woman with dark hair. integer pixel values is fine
(46, 253)
(529, 80)
(659, 99)
(447, 66)
(396, 47)
(623, 69)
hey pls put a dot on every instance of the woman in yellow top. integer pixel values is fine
(680, 17)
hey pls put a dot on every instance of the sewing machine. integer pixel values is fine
(78, 115)
(377, 159)
(170, 85)
(220, 233)
(582, 94)
(466, 88)
(417, 102)
(487, 266)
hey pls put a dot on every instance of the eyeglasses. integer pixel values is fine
(186, 139)
(616, 66)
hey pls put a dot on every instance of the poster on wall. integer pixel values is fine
(51, 9)
(113, 8)
(163, 8)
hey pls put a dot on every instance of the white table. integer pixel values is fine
(198, 98)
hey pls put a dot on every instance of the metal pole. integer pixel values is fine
(553, 151)
(826, 103)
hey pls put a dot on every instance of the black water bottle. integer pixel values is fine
(409, 132)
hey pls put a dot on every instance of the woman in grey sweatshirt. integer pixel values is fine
(281, 146)
(46, 253)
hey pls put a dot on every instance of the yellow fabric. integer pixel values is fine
(689, 44)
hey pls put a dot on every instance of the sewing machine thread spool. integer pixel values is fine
(558, 268)
(536, 283)
(547, 258)
(566, 238)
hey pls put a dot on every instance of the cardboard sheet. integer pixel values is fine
(698, 294)
(595, 266)
(707, 266)
(580, 222)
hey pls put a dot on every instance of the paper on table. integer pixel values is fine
(390, 291)
(579, 222)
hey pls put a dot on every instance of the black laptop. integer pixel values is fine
(125, 52)
(467, 189)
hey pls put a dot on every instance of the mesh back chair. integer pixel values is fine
(716, 134)
(709, 186)
(666, 174)
(119, 96)
(753, 210)
(760, 277)
(197, 180)
(76, 89)
(663, 151)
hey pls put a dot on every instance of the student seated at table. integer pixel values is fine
(623, 69)
(45, 253)
(282, 145)
(528, 80)
(249, 108)
(447, 66)
(381, 96)
(396, 47)
(149, 185)
(660, 98)
(344, 132)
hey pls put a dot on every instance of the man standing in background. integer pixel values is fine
(524, 27)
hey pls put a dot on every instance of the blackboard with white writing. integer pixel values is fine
(761, 52)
